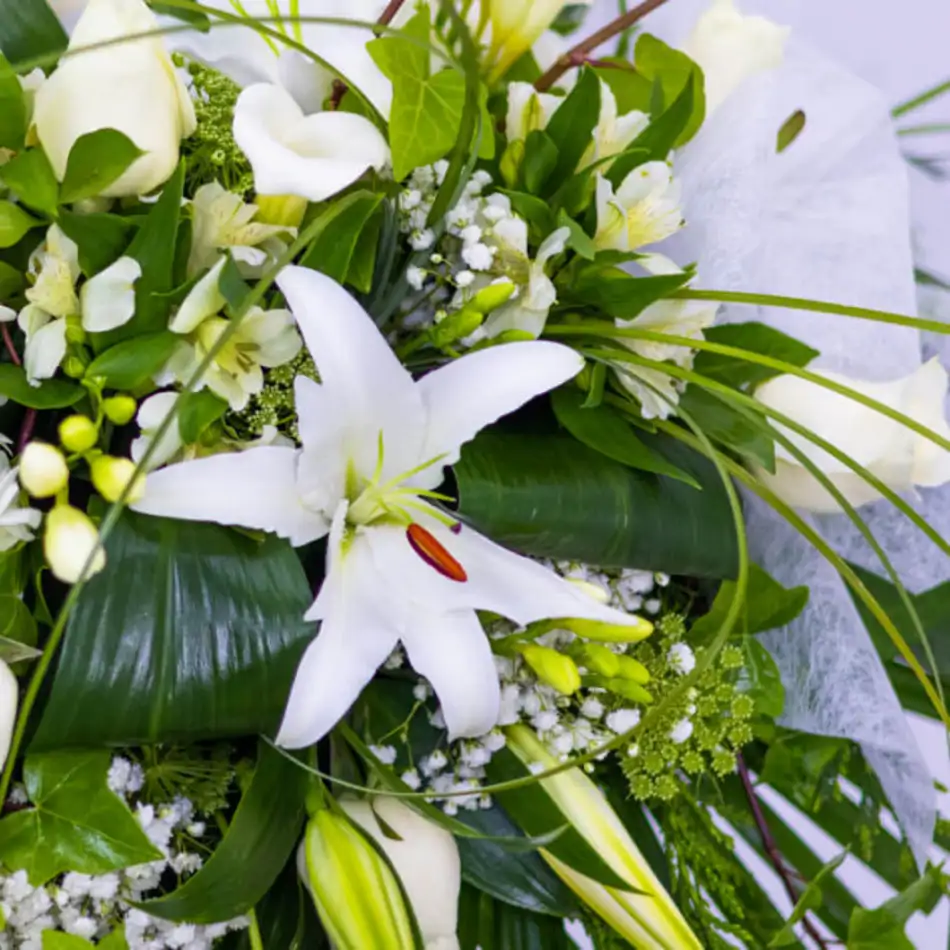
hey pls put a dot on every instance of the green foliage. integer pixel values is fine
(571, 126)
(274, 406)
(202, 775)
(14, 223)
(50, 394)
(809, 900)
(96, 160)
(758, 338)
(76, 822)
(485, 922)
(130, 363)
(30, 177)
(13, 115)
(29, 29)
(427, 109)
(198, 411)
(101, 238)
(759, 679)
(883, 927)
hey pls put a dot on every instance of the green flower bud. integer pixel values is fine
(511, 162)
(78, 433)
(492, 297)
(631, 669)
(632, 632)
(455, 326)
(630, 690)
(600, 660)
(74, 366)
(553, 668)
(120, 409)
(43, 470)
(75, 333)
(110, 475)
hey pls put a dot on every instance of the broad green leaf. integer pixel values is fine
(540, 160)
(613, 291)
(810, 900)
(14, 223)
(674, 71)
(58, 940)
(176, 600)
(114, 941)
(261, 836)
(549, 496)
(426, 110)
(128, 364)
(13, 116)
(95, 161)
(726, 425)
(760, 679)
(198, 411)
(50, 394)
(767, 606)
(537, 813)
(579, 240)
(29, 29)
(76, 823)
(101, 238)
(154, 248)
(13, 572)
(30, 177)
(11, 281)
(883, 927)
(571, 126)
(757, 338)
(17, 630)
(535, 211)
(631, 89)
(808, 765)
(342, 236)
(484, 922)
(606, 431)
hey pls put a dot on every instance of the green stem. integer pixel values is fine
(933, 93)
(935, 129)
(254, 931)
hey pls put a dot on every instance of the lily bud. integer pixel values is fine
(633, 632)
(515, 25)
(120, 409)
(600, 660)
(43, 470)
(111, 475)
(78, 433)
(455, 326)
(631, 669)
(492, 297)
(357, 896)
(9, 697)
(629, 690)
(553, 668)
(426, 860)
(69, 542)
(592, 590)
(648, 920)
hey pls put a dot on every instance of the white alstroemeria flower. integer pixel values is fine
(375, 443)
(249, 58)
(528, 110)
(17, 521)
(108, 299)
(311, 156)
(730, 47)
(898, 456)
(425, 857)
(528, 310)
(644, 210)
(221, 221)
(264, 338)
(132, 87)
(613, 132)
(150, 416)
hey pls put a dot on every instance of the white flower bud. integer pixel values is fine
(69, 542)
(111, 475)
(43, 470)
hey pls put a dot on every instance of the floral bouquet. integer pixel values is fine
(433, 436)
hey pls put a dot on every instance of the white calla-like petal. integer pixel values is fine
(311, 156)
(45, 350)
(108, 299)
(255, 489)
(425, 857)
(150, 416)
(204, 300)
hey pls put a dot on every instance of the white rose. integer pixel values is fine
(898, 456)
(730, 47)
(131, 86)
(426, 860)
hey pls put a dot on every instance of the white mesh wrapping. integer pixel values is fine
(826, 219)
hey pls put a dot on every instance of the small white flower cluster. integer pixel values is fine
(92, 906)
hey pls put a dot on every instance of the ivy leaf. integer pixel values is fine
(883, 927)
(810, 900)
(77, 823)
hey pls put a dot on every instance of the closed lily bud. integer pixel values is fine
(111, 475)
(78, 433)
(426, 860)
(356, 893)
(649, 920)
(493, 296)
(69, 541)
(120, 409)
(629, 689)
(600, 660)
(515, 25)
(9, 697)
(631, 669)
(43, 470)
(633, 632)
(553, 668)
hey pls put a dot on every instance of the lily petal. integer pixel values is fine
(45, 350)
(354, 640)
(108, 299)
(254, 489)
(204, 300)
(312, 156)
(470, 393)
(452, 652)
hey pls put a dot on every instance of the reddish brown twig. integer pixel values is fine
(26, 429)
(772, 850)
(392, 8)
(579, 54)
(8, 343)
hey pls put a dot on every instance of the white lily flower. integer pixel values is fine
(131, 86)
(528, 110)
(898, 456)
(375, 443)
(613, 132)
(426, 858)
(731, 47)
(644, 210)
(17, 521)
(108, 299)
(150, 416)
(249, 58)
(221, 221)
(311, 156)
